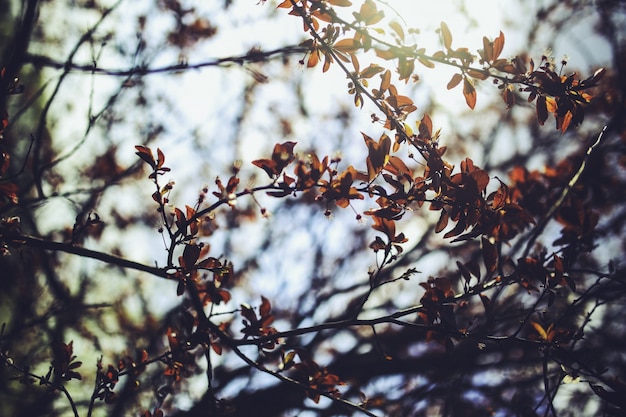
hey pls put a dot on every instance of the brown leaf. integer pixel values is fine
(268, 166)
(190, 256)
(371, 70)
(454, 81)
(145, 154)
(442, 222)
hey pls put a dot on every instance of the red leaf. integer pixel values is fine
(145, 153)
(160, 158)
(268, 166)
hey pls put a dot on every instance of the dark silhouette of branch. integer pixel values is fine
(247, 58)
(35, 242)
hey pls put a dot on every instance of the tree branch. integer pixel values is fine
(248, 57)
(35, 242)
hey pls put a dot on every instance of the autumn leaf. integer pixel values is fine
(543, 334)
(349, 45)
(145, 154)
(370, 71)
(469, 92)
(498, 46)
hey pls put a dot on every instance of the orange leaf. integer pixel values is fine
(469, 92)
(498, 45)
(565, 121)
(314, 58)
(347, 45)
(542, 332)
(385, 81)
(378, 154)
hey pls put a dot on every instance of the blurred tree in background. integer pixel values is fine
(280, 209)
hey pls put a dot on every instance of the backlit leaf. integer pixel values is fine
(498, 45)
(469, 92)
(446, 35)
(397, 28)
(371, 70)
(340, 3)
(426, 63)
(540, 330)
(385, 81)
(349, 45)
(314, 58)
